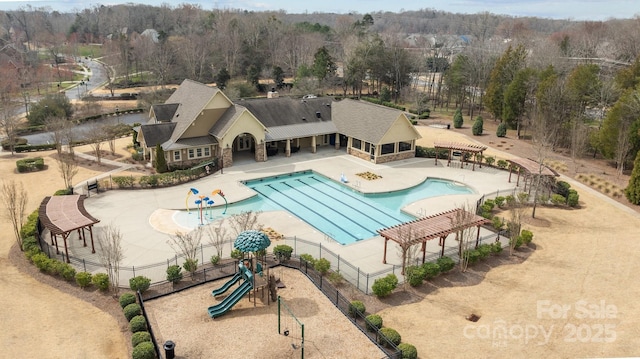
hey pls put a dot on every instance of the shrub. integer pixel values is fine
(446, 264)
(391, 335)
(497, 222)
(489, 160)
(282, 252)
(457, 119)
(174, 273)
(356, 307)
(144, 350)
(101, 280)
(132, 310)
(138, 324)
(499, 201)
(308, 258)
(139, 283)
(415, 275)
(478, 125)
(29, 243)
(123, 181)
(484, 250)
(516, 242)
(558, 199)
(336, 278)
(384, 286)
(502, 164)
(236, 254)
(67, 272)
(83, 279)
(190, 265)
(139, 337)
(527, 236)
(374, 322)
(126, 299)
(63, 192)
(322, 265)
(472, 255)
(408, 351)
(511, 200)
(496, 247)
(215, 259)
(30, 164)
(501, 131)
(41, 261)
(573, 198)
(562, 188)
(431, 270)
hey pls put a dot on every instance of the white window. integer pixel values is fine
(199, 152)
(176, 155)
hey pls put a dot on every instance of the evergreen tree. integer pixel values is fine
(457, 119)
(161, 162)
(501, 131)
(632, 192)
(222, 78)
(323, 64)
(278, 76)
(501, 76)
(478, 124)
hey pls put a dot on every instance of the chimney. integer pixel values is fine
(318, 115)
(273, 93)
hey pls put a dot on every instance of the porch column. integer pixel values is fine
(337, 144)
(287, 148)
(313, 144)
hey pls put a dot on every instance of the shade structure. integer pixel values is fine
(252, 241)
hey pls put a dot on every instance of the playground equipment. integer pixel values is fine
(203, 201)
(235, 296)
(290, 326)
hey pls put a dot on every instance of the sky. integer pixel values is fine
(556, 9)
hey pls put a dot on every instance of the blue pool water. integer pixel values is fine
(333, 208)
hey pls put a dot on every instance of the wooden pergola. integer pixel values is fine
(463, 148)
(530, 168)
(62, 215)
(435, 226)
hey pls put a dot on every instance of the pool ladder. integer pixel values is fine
(356, 184)
(328, 237)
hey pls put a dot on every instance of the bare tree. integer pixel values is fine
(57, 126)
(187, 245)
(464, 234)
(96, 135)
(68, 168)
(14, 197)
(517, 206)
(217, 233)
(407, 237)
(111, 254)
(244, 221)
(9, 122)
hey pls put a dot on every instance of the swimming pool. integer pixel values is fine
(333, 208)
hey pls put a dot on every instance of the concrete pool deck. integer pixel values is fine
(144, 217)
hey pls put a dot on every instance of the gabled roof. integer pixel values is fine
(278, 133)
(164, 112)
(220, 128)
(363, 120)
(284, 111)
(191, 98)
(157, 133)
(189, 142)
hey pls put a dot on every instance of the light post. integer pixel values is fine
(118, 114)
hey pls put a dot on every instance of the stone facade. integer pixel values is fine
(382, 159)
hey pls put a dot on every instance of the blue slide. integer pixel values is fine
(228, 302)
(227, 285)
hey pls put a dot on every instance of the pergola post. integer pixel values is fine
(424, 250)
(510, 171)
(449, 157)
(54, 239)
(477, 237)
(66, 250)
(93, 248)
(442, 240)
(384, 258)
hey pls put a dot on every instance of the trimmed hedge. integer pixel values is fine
(132, 310)
(382, 287)
(126, 299)
(446, 264)
(138, 324)
(431, 270)
(392, 335)
(30, 164)
(322, 265)
(140, 337)
(374, 322)
(144, 350)
(101, 280)
(408, 351)
(83, 279)
(356, 307)
(139, 283)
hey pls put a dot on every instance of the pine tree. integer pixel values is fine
(161, 162)
(457, 119)
(478, 125)
(632, 192)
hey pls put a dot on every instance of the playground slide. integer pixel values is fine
(228, 302)
(227, 285)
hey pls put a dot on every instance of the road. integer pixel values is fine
(45, 137)
(97, 79)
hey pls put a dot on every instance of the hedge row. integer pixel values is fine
(30, 164)
(141, 338)
(387, 335)
(158, 180)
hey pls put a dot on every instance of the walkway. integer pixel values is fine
(145, 217)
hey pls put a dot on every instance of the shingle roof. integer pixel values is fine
(192, 97)
(363, 120)
(157, 133)
(226, 120)
(189, 142)
(284, 111)
(164, 112)
(300, 130)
